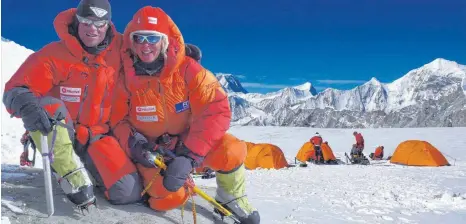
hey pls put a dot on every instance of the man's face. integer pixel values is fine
(92, 31)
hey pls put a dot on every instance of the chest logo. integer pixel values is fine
(70, 91)
(182, 106)
(145, 109)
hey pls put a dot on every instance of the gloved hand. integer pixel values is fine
(193, 51)
(179, 168)
(182, 150)
(34, 117)
(138, 145)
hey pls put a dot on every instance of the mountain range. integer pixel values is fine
(432, 95)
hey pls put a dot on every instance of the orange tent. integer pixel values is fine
(264, 156)
(418, 153)
(327, 152)
(307, 152)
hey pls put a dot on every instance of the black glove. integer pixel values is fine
(35, 118)
(182, 150)
(193, 51)
(179, 168)
(138, 145)
(21, 100)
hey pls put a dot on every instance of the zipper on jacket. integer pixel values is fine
(102, 104)
(82, 104)
(164, 105)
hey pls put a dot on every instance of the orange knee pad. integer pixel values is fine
(228, 155)
(110, 160)
(170, 201)
(160, 198)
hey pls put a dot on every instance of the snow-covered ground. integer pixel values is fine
(381, 193)
(13, 56)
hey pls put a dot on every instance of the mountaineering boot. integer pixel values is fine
(231, 190)
(67, 167)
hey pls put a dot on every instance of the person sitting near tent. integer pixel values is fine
(357, 149)
(317, 141)
(168, 104)
(378, 155)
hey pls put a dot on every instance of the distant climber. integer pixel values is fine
(358, 147)
(378, 154)
(317, 142)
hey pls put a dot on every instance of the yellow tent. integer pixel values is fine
(264, 155)
(307, 152)
(418, 153)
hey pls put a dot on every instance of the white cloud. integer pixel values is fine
(240, 76)
(337, 81)
(236, 76)
(262, 85)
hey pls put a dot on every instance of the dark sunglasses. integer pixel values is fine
(150, 38)
(88, 22)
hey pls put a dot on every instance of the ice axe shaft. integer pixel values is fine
(198, 191)
(47, 175)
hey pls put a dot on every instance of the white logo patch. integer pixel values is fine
(98, 11)
(145, 109)
(72, 99)
(152, 20)
(147, 118)
(70, 91)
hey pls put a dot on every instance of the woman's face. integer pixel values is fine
(147, 46)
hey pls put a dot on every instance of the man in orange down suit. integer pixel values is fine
(168, 101)
(378, 155)
(359, 146)
(64, 91)
(316, 140)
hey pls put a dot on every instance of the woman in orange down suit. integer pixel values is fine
(168, 100)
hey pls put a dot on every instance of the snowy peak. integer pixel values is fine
(444, 68)
(441, 64)
(374, 82)
(307, 87)
(304, 87)
(230, 83)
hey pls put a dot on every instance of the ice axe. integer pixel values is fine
(153, 158)
(47, 175)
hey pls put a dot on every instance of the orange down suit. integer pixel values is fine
(184, 99)
(84, 83)
(378, 152)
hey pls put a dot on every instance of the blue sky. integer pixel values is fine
(273, 44)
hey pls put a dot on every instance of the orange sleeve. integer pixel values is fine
(36, 74)
(121, 128)
(210, 109)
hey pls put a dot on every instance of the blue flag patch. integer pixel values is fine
(180, 107)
